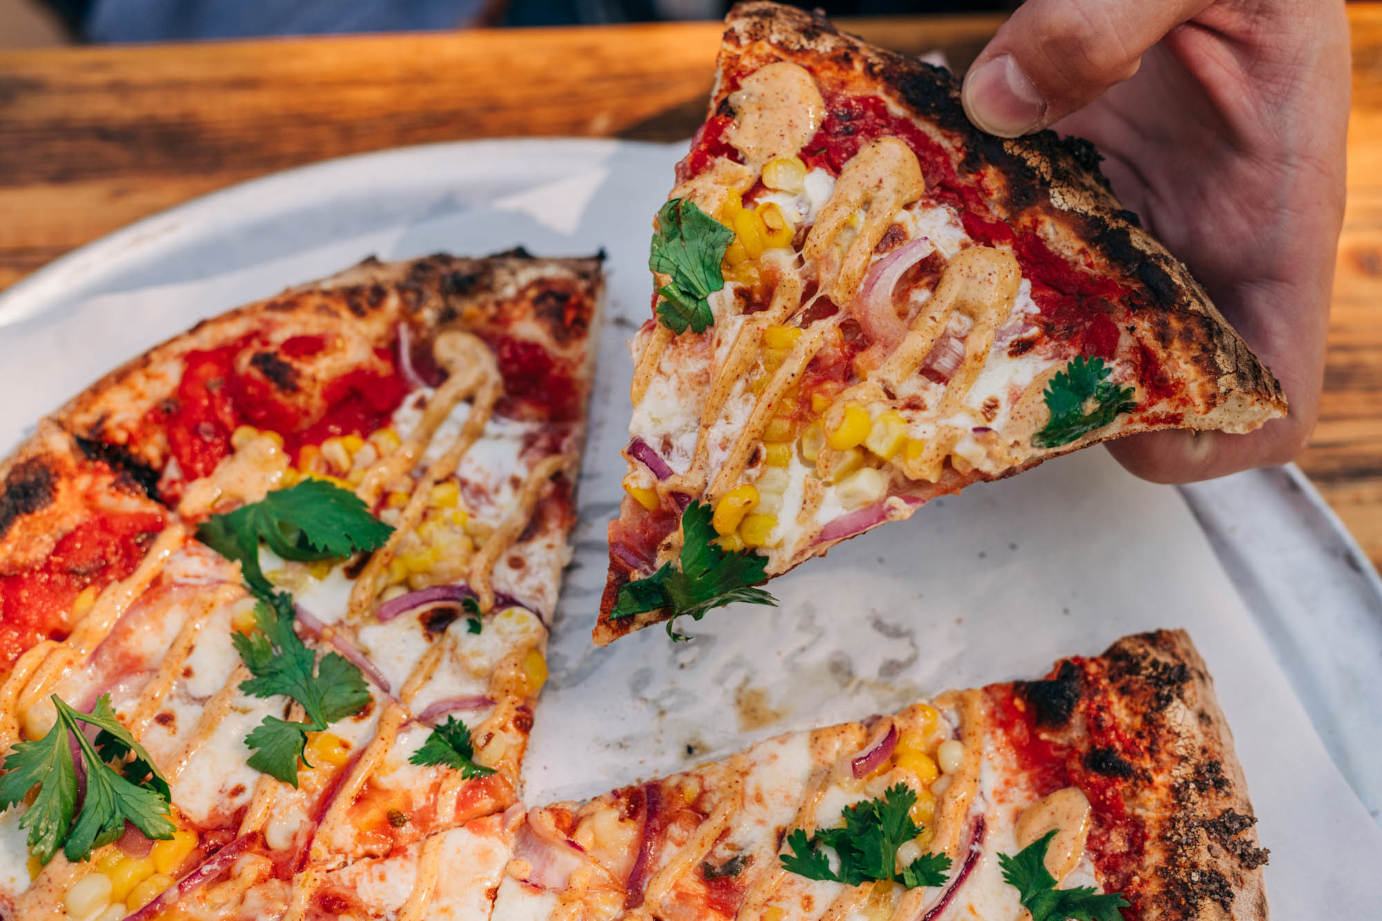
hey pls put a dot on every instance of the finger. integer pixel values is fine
(1054, 56)
(1186, 457)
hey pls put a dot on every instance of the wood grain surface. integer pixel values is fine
(94, 138)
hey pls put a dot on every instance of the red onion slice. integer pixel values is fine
(420, 600)
(348, 651)
(628, 556)
(133, 842)
(878, 750)
(945, 356)
(976, 849)
(550, 863)
(440, 708)
(860, 520)
(647, 837)
(203, 873)
(642, 452)
(874, 307)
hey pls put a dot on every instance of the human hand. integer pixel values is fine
(1223, 126)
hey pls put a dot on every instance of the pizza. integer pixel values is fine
(275, 595)
(1107, 789)
(863, 302)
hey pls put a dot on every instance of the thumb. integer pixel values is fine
(1055, 56)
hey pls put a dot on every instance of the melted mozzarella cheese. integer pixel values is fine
(14, 853)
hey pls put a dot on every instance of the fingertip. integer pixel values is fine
(1001, 99)
(1169, 457)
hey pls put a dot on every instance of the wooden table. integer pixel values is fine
(94, 138)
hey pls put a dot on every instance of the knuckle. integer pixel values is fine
(1083, 48)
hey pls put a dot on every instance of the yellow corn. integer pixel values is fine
(333, 480)
(35, 867)
(385, 440)
(862, 487)
(446, 494)
(757, 529)
(928, 718)
(535, 670)
(309, 458)
(745, 273)
(774, 914)
(730, 510)
(911, 756)
(887, 434)
(772, 359)
(812, 440)
(732, 205)
(950, 755)
(844, 463)
(913, 449)
(242, 436)
(646, 496)
(85, 600)
(923, 811)
(327, 748)
(88, 896)
(109, 860)
(731, 543)
(851, 430)
(781, 337)
(334, 453)
(748, 226)
(242, 620)
(778, 231)
(398, 570)
(820, 402)
(459, 517)
(777, 455)
(127, 874)
(420, 560)
(779, 428)
(171, 854)
(735, 254)
(320, 569)
(773, 480)
(352, 443)
(786, 174)
(147, 891)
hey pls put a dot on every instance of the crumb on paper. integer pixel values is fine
(753, 708)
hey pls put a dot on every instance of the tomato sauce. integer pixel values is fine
(214, 396)
(1117, 840)
(35, 604)
(710, 143)
(536, 385)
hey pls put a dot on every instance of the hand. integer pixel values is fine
(1222, 123)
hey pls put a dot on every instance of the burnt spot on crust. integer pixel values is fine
(278, 372)
(460, 283)
(30, 486)
(1108, 762)
(127, 466)
(1053, 700)
(435, 621)
(1188, 887)
(564, 312)
(1227, 829)
(1134, 668)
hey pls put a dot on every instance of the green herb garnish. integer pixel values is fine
(1081, 399)
(866, 846)
(450, 745)
(689, 246)
(313, 520)
(709, 576)
(328, 689)
(1026, 870)
(122, 785)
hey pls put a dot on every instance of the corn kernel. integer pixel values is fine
(242, 620)
(171, 854)
(748, 226)
(928, 718)
(85, 601)
(851, 429)
(732, 205)
(862, 487)
(923, 811)
(352, 443)
(309, 459)
(89, 896)
(327, 748)
(730, 510)
(731, 543)
(419, 561)
(320, 569)
(398, 570)
(772, 359)
(820, 402)
(757, 529)
(774, 914)
(887, 434)
(386, 440)
(109, 859)
(779, 428)
(242, 436)
(911, 756)
(147, 891)
(735, 254)
(844, 463)
(127, 874)
(646, 496)
(334, 453)
(781, 337)
(778, 232)
(446, 494)
(745, 273)
(812, 440)
(786, 174)
(120, 912)
(913, 449)
(535, 669)
(773, 480)
(35, 867)
(777, 455)
(950, 755)
(769, 503)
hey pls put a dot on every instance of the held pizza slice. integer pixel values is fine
(863, 302)
(1108, 790)
(371, 480)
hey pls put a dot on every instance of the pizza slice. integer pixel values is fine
(1107, 790)
(863, 303)
(341, 637)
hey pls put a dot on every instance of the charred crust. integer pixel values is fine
(29, 487)
(1053, 699)
(129, 468)
(1227, 829)
(1134, 667)
(277, 371)
(1108, 762)
(436, 620)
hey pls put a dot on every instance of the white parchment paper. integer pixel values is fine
(988, 586)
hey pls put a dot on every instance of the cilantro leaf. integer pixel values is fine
(450, 745)
(709, 576)
(1026, 871)
(313, 520)
(328, 689)
(1081, 400)
(866, 845)
(689, 246)
(111, 798)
